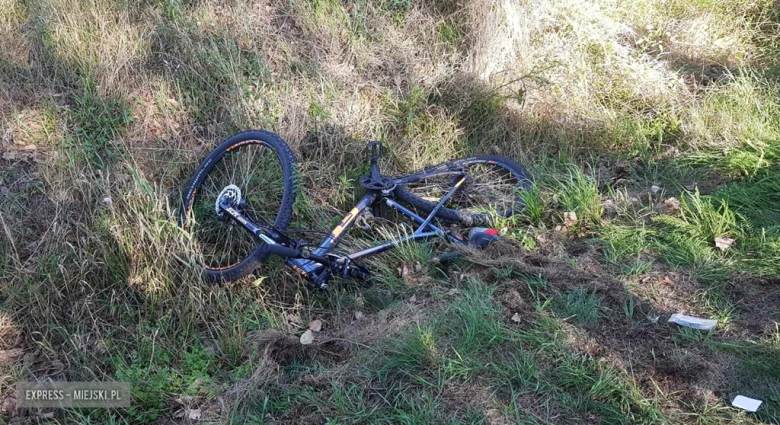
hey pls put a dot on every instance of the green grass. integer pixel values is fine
(579, 193)
(97, 120)
(581, 305)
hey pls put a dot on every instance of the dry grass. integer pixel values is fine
(107, 105)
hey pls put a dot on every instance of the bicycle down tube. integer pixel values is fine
(316, 262)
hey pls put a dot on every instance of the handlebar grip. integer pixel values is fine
(284, 251)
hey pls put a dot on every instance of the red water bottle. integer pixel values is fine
(482, 236)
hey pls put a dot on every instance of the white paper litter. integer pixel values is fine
(693, 322)
(749, 404)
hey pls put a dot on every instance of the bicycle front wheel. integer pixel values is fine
(492, 189)
(258, 171)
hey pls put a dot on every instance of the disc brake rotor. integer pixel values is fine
(230, 195)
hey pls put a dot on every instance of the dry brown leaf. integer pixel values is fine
(724, 243)
(307, 338)
(672, 204)
(570, 218)
(315, 325)
(404, 270)
(516, 318)
(193, 414)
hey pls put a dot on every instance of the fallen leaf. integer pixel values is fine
(193, 414)
(516, 318)
(359, 315)
(655, 189)
(307, 338)
(570, 218)
(723, 243)
(315, 325)
(673, 204)
(404, 270)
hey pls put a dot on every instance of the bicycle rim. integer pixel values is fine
(255, 169)
(489, 188)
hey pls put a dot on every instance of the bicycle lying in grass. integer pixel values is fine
(239, 204)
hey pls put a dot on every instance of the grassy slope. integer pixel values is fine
(120, 99)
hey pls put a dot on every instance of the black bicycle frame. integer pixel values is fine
(317, 264)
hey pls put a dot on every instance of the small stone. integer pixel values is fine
(307, 337)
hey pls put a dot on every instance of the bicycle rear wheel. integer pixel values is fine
(492, 188)
(258, 170)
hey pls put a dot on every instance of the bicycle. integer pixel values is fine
(239, 203)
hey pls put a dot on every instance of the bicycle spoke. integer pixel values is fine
(488, 187)
(256, 171)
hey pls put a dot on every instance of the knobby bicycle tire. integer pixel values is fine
(459, 216)
(283, 217)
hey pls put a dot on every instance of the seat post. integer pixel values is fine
(374, 151)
